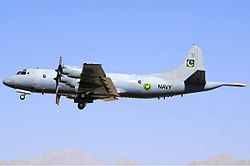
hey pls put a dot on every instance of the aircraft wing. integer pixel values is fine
(94, 81)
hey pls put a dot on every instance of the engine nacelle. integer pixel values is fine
(72, 82)
(72, 72)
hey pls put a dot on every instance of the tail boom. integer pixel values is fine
(213, 85)
(235, 84)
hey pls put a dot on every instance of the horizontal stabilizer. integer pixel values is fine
(197, 78)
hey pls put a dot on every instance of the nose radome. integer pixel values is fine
(5, 82)
(8, 82)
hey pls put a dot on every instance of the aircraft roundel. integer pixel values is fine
(147, 86)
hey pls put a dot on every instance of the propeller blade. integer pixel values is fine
(60, 61)
(58, 79)
(57, 89)
(58, 99)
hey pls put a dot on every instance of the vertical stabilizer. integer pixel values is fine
(192, 63)
(192, 69)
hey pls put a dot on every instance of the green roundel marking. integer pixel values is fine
(147, 86)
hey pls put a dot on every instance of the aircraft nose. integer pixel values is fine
(8, 82)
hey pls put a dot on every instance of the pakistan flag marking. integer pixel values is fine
(147, 86)
(190, 63)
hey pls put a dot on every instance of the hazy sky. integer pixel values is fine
(127, 37)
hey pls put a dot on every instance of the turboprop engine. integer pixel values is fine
(72, 82)
(73, 72)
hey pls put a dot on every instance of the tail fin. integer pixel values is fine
(192, 69)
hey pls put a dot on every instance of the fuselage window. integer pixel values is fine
(44, 76)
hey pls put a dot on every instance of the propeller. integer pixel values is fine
(58, 80)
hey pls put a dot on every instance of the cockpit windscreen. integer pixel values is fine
(22, 72)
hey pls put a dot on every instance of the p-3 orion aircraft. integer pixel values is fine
(89, 82)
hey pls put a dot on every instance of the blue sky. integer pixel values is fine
(127, 37)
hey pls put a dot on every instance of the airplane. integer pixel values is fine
(89, 83)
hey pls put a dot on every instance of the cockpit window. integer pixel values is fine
(22, 72)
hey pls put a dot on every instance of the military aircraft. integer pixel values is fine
(89, 82)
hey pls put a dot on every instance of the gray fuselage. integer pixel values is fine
(127, 85)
